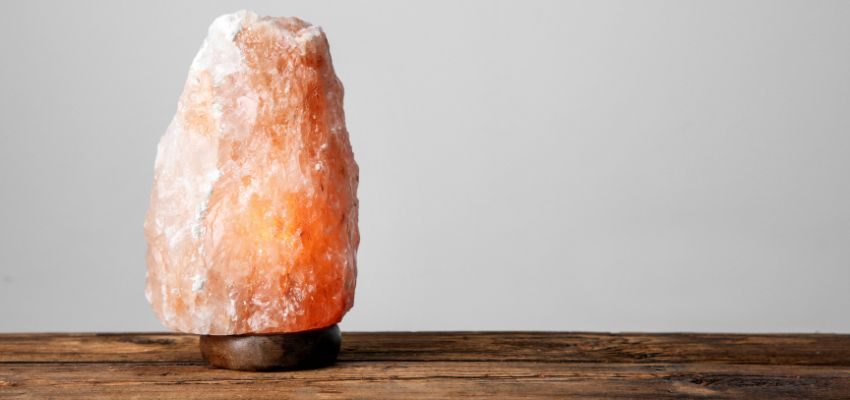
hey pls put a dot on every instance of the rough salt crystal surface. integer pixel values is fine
(252, 226)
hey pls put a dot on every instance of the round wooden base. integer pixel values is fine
(299, 350)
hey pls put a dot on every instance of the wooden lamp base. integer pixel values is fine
(298, 350)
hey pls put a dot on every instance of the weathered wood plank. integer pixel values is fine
(601, 347)
(811, 349)
(440, 365)
(95, 347)
(392, 379)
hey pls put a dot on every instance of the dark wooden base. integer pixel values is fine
(299, 350)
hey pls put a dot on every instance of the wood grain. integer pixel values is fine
(440, 365)
(812, 349)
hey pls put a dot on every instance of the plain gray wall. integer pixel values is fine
(658, 166)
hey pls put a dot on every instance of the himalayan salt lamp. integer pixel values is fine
(252, 227)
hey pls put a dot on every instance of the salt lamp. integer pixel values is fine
(252, 226)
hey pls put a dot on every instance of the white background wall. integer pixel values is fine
(658, 166)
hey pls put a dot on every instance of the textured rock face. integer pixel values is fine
(252, 226)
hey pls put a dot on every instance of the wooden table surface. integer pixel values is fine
(439, 365)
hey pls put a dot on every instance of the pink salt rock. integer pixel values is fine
(252, 226)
